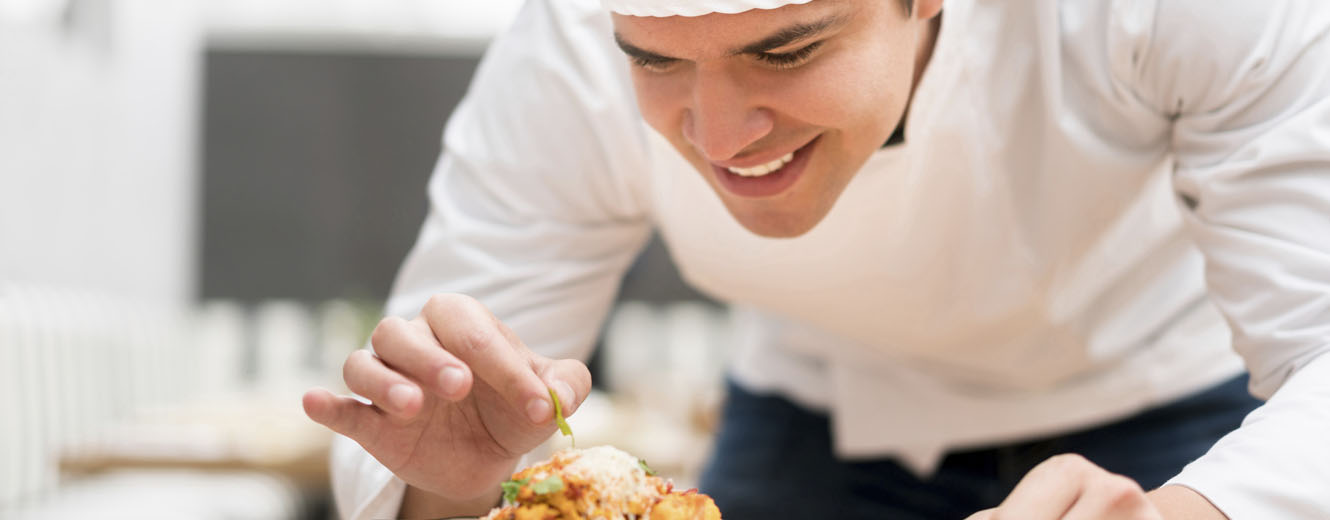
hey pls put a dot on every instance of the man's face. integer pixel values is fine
(809, 91)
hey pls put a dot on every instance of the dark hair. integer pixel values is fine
(909, 6)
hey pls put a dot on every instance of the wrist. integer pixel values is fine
(1181, 502)
(418, 503)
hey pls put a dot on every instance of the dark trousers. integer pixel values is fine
(774, 460)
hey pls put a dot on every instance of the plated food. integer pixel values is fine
(600, 483)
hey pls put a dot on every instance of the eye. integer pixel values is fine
(788, 60)
(653, 64)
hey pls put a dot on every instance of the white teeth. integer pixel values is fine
(763, 169)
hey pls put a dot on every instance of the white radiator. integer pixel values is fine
(78, 368)
(73, 362)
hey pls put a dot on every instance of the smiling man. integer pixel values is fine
(1022, 259)
(773, 107)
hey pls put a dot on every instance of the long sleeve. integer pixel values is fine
(1247, 85)
(535, 205)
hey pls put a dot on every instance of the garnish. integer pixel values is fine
(643, 464)
(558, 419)
(550, 485)
(511, 487)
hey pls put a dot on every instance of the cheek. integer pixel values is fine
(850, 93)
(661, 100)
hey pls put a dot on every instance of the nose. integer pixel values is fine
(722, 120)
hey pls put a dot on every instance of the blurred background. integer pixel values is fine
(202, 206)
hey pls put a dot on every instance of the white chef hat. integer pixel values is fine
(691, 7)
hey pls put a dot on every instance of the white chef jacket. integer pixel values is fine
(1100, 206)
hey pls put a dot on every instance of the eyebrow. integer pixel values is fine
(791, 34)
(638, 52)
(777, 40)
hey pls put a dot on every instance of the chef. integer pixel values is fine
(1024, 259)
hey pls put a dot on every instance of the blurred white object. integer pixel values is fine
(668, 357)
(663, 364)
(218, 341)
(171, 494)
(631, 348)
(426, 26)
(38, 396)
(284, 337)
(32, 12)
(341, 331)
(13, 409)
(695, 351)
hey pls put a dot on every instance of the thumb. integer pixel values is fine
(982, 515)
(569, 378)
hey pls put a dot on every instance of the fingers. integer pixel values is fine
(1112, 497)
(1069, 487)
(1047, 491)
(569, 378)
(343, 415)
(410, 348)
(390, 391)
(470, 332)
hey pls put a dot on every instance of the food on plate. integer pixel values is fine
(600, 483)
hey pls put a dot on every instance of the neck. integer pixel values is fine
(927, 40)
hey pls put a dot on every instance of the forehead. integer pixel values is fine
(690, 7)
(716, 33)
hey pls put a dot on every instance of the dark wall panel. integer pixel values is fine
(314, 169)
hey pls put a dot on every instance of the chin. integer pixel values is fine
(777, 224)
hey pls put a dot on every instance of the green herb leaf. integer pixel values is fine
(552, 484)
(643, 464)
(511, 487)
(558, 418)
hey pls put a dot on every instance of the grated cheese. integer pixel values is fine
(616, 474)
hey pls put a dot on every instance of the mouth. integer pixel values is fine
(767, 179)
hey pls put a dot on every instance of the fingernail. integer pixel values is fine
(450, 380)
(399, 396)
(537, 410)
(565, 394)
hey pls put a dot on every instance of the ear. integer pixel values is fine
(926, 9)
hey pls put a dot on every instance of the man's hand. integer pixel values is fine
(457, 399)
(1069, 487)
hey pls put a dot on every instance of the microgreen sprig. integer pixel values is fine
(558, 418)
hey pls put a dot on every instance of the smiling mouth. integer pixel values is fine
(763, 169)
(767, 179)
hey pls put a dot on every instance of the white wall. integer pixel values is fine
(399, 26)
(97, 145)
(99, 120)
